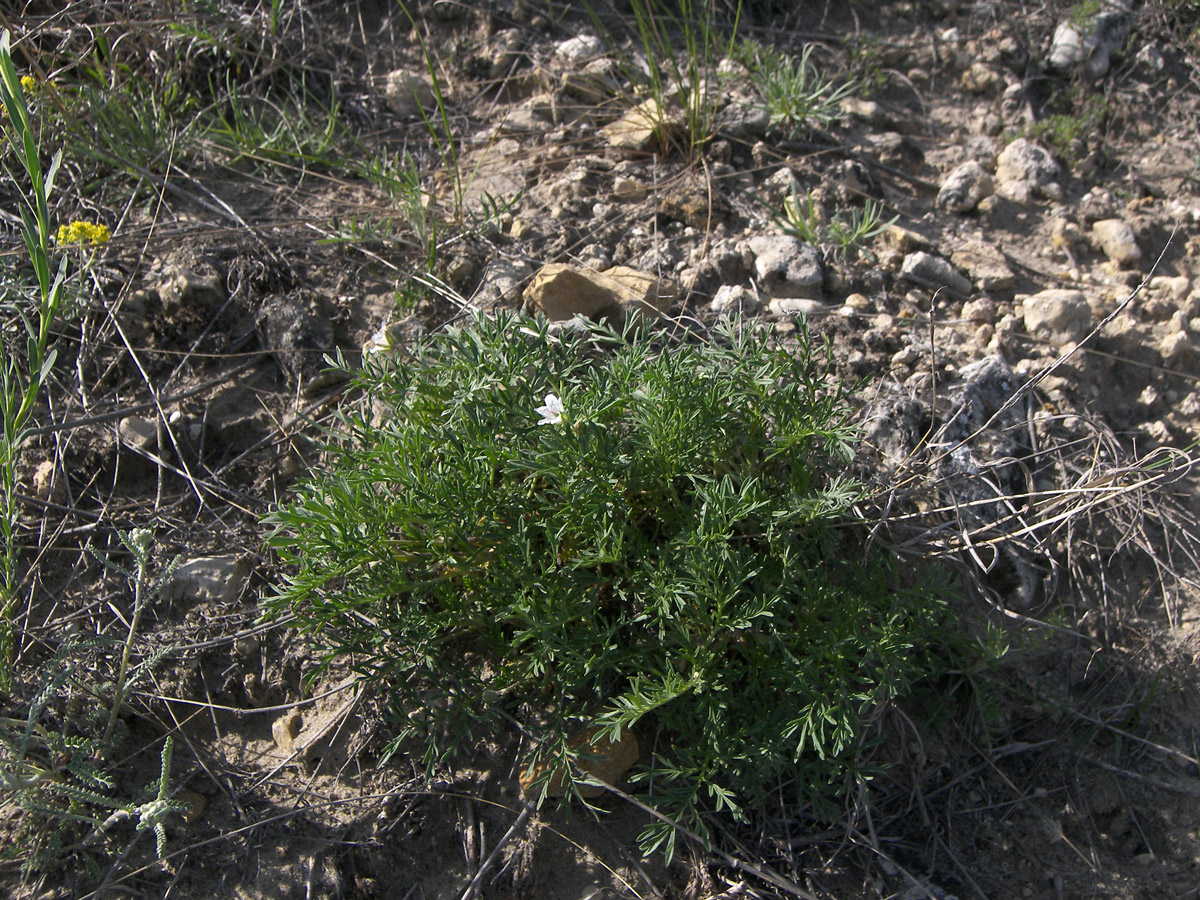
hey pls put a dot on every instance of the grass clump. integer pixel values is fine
(794, 90)
(658, 538)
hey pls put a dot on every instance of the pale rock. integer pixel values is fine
(787, 268)
(1058, 315)
(598, 757)
(985, 266)
(796, 306)
(981, 311)
(743, 120)
(1117, 241)
(45, 485)
(643, 128)
(284, 730)
(579, 49)
(933, 272)
(209, 579)
(561, 291)
(138, 432)
(980, 78)
(964, 187)
(1023, 170)
(907, 356)
(1177, 348)
(1091, 44)
(181, 288)
(733, 298)
(408, 92)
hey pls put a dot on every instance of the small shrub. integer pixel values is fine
(653, 537)
(793, 89)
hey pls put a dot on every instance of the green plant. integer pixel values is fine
(609, 533)
(793, 90)
(25, 368)
(807, 221)
(55, 763)
(682, 44)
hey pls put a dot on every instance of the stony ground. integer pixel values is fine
(1026, 332)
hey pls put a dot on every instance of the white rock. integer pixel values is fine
(579, 49)
(787, 268)
(933, 272)
(1117, 241)
(796, 306)
(1023, 170)
(1177, 348)
(1092, 43)
(138, 432)
(733, 298)
(1058, 315)
(964, 187)
(408, 92)
(218, 579)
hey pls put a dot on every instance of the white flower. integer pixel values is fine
(552, 412)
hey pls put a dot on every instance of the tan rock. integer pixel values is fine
(1117, 241)
(644, 128)
(599, 757)
(284, 730)
(985, 266)
(561, 291)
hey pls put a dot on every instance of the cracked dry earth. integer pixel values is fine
(1037, 195)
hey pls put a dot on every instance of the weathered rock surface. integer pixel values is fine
(1025, 170)
(964, 187)
(985, 266)
(1058, 315)
(933, 272)
(1091, 44)
(209, 579)
(786, 267)
(408, 92)
(561, 291)
(1117, 241)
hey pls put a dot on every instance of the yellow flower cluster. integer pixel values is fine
(83, 233)
(28, 83)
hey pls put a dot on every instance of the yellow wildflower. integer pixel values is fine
(28, 83)
(79, 232)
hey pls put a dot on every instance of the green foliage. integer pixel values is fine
(26, 363)
(843, 233)
(681, 43)
(794, 90)
(1066, 133)
(674, 552)
(55, 763)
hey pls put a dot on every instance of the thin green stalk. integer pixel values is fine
(22, 380)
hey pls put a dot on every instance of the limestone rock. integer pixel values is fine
(786, 267)
(985, 266)
(796, 306)
(501, 282)
(138, 432)
(579, 49)
(1025, 170)
(199, 286)
(1058, 315)
(408, 92)
(45, 485)
(733, 298)
(964, 187)
(933, 272)
(561, 291)
(284, 730)
(1117, 241)
(1091, 44)
(644, 128)
(599, 757)
(210, 579)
